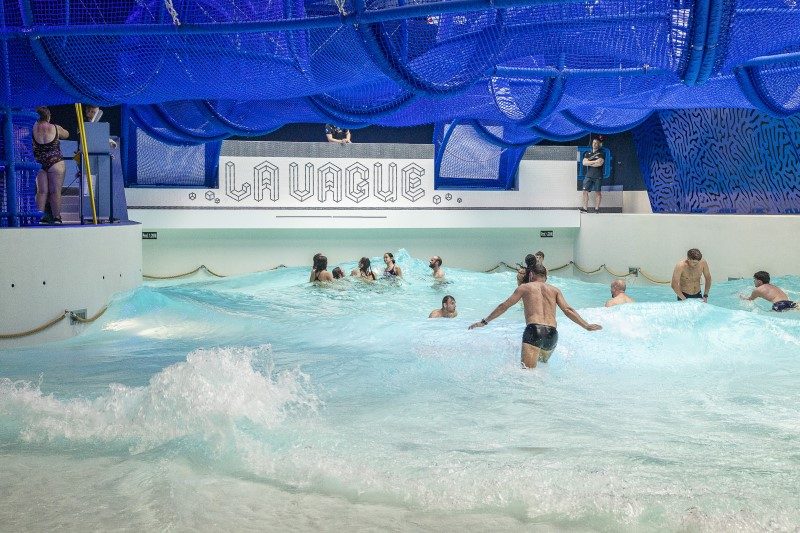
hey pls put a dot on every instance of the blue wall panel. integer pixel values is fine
(720, 161)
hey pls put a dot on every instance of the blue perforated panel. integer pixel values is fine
(720, 161)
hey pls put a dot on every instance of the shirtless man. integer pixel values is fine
(771, 293)
(448, 309)
(539, 300)
(618, 295)
(435, 263)
(686, 276)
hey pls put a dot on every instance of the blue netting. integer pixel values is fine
(196, 71)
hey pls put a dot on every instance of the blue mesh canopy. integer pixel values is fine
(247, 66)
(508, 72)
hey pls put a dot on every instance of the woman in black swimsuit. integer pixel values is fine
(391, 270)
(364, 270)
(47, 152)
(320, 270)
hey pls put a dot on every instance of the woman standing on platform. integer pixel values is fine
(47, 152)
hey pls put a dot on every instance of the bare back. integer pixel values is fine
(771, 292)
(539, 300)
(44, 132)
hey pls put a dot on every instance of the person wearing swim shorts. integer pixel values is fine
(686, 276)
(771, 293)
(539, 300)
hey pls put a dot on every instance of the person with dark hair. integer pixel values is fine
(391, 270)
(313, 275)
(47, 152)
(335, 134)
(686, 276)
(435, 263)
(539, 300)
(448, 309)
(530, 259)
(771, 293)
(618, 295)
(320, 270)
(337, 273)
(364, 270)
(593, 161)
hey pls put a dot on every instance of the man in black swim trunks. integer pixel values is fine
(539, 300)
(771, 293)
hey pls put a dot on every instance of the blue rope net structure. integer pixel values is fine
(514, 71)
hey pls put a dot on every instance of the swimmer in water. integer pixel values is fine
(771, 293)
(320, 270)
(448, 309)
(391, 270)
(435, 263)
(337, 273)
(686, 276)
(364, 270)
(538, 257)
(618, 295)
(539, 300)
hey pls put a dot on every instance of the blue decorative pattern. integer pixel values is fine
(720, 161)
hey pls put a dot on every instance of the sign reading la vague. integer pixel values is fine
(325, 182)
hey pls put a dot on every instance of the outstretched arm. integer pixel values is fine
(499, 310)
(753, 295)
(573, 315)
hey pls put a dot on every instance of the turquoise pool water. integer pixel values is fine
(263, 402)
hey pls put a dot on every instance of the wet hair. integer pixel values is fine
(762, 276)
(438, 260)
(337, 273)
(44, 113)
(391, 256)
(694, 254)
(540, 254)
(320, 262)
(533, 268)
(364, 265)
(447, 298)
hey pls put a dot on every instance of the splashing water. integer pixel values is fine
(262, 399)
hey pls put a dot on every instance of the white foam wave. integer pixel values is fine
(207, 397)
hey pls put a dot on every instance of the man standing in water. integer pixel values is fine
(686, 276)
(435, 263)
(618, 295)
(539, 300)
(771, 293)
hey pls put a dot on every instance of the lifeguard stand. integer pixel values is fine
(97, 143)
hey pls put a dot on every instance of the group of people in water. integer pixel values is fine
(540, 299)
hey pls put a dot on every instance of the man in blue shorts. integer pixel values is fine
(593, 161)
(771, 293)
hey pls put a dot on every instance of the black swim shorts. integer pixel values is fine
(784, 305)
(687, 296)
(541, 336)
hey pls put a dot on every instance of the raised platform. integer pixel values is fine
(51, 269)
(278, 185)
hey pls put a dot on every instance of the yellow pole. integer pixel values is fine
(86, 166)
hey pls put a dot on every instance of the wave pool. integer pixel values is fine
(265, 402)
